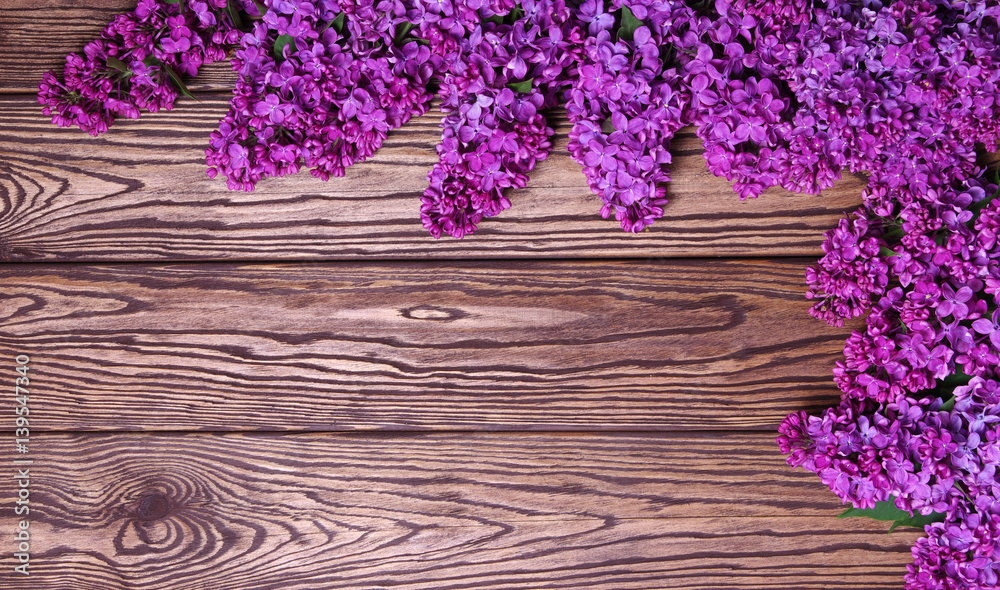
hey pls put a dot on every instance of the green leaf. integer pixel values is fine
(629, 24)
(918, 520)
(181, 87)
(521, 87)
(607, 126)
(402, 30)
(887, 511)
(234, 13)
(945, 389)
(882, 511)
(337, 24)
(261, 8)
(117, 64)
(172, 1)
(953, 381)
(495, 19)
(886, 252)
(279, 46)
(893, 234)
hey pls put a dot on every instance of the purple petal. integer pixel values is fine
(983, 326)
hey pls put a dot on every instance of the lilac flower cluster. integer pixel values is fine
(320, 85)
(137, 61)
(788, 93)
(498, 77)
(851, 272)
(742, 107)
(928, 458)
(792, 93)
(935, 306)
(625, 106)
(932, 280)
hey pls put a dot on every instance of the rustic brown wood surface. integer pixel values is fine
(477, 511)
(442, 345)
(601, 407)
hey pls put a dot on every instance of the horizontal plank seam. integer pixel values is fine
(401, 434)
(789, 258)
(382, 259)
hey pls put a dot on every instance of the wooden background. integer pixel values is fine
(297, 388)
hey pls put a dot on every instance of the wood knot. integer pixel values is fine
(152, 507)
(433, 313)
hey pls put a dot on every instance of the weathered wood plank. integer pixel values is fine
(35, 37)
(514, 511)
(140, 193)
(476, 345)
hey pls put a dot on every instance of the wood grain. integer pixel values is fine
(514, 511)
(140, 193)
(476, 345)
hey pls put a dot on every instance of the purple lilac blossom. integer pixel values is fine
(327, 99)
(932, 323)
(625, 106)
(495, 82)
(133, 65)
(851, 272)
(791, 95)
(907, 96)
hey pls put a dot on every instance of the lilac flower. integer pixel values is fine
(989, 327)
(953, 303)
(625, 106)
(602, 156)
(328, 99)
(272, 109)
(493, 135)
(135, 62)
(850, 274)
